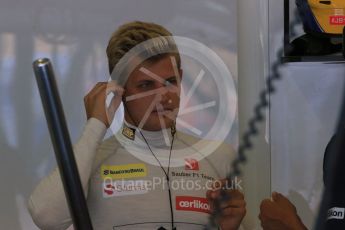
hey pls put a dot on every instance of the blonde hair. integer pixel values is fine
(132, 34)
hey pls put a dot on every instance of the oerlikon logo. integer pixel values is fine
(195, 204)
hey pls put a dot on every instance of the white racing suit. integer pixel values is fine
(130, 191)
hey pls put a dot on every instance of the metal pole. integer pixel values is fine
(344, 42)
(286, 27)
(62, 144)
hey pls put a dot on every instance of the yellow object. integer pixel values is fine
(330, 15)
(128, 132)
(123, 171)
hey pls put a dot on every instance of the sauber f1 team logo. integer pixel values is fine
(191, 164)
(195, 204)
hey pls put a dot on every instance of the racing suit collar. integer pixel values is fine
(155, 138)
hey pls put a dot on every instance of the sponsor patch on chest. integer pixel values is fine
(194, 204)
(112, 188)
(123, 171)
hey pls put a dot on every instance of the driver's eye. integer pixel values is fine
(146, 84)
(171, 81)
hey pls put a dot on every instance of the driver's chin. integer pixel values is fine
(154, 124)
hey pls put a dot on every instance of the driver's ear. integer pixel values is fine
(124, 95)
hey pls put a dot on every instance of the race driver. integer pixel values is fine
(147, 175)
